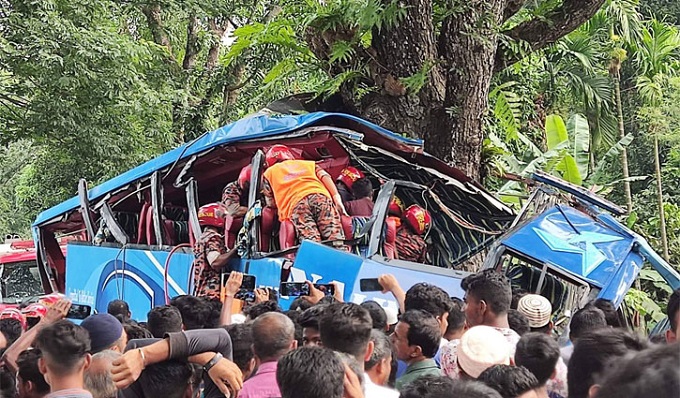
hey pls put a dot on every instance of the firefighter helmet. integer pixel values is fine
(396, 207)
(418, 218)
(212, 215)
(278, 153)
(244, 176)
(349, 175)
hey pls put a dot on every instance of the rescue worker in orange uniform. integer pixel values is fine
(305, 194)
(210, 252)
(411, 245)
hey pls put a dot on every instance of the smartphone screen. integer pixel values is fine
(246, 291)
(79, 311)
(327, 288)
(294, 289)
(370, 285)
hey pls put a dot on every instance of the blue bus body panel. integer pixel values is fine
(98, 275)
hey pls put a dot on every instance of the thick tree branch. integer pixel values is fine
(217, 29)
(539, 33)
(511, 8)
(153, 18)
(192, 43)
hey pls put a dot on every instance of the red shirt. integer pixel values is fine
(360, 208)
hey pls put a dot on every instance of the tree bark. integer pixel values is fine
(659, 197)
(153, 19)
(622, 133)
(191, 51)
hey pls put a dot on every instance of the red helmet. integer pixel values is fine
(50, 299)
(418, 218)
(14, 313)
(349, 175)
(212, 214)
(35, 310)
(278, 153)
(396, 207)
(244, 176)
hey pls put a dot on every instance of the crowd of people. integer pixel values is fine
(490, 344)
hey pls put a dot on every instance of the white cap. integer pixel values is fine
(392, 317)
(480, 348)
(536, 308)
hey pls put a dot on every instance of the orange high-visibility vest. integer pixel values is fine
(291, 181)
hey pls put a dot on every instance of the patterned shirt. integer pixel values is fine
(207, 249)
(411, 246)
(558, 384)
(449, 359)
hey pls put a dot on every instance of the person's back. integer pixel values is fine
(310, 372)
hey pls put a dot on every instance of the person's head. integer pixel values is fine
(362, 188)
(120, 309)
(310, 372)
(242, 347)
(164, 319)
(65, 350)
(416, 337)
(487, 297)
(587, 319)
(538, 311)
(610, 313)
(480, 348)
(346, 327)
(168, 379)
(673, 312)
(273, 336)
(539, 353)
(377, 313)
(106, 333)
(379, 365)
(8, 388)
(652, 373)
(300, 304)
(592, 351)
(445, 387)
(135, 331)
(349, 176)
(309, 320)
(509, 381)
(430, 298)
(455, 324)
(195, 311)
(518, 322)
(256, 310)
(351, 362)
(98, 376)
(30, 382)
(11, 329)
(295, 317)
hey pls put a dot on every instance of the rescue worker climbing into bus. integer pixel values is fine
(305, 195)
(411, 245)
(235, 194)
(362, 205)
(345, 182)
(210, 252)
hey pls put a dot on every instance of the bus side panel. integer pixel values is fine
(96, 275)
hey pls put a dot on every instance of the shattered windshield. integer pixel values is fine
(19, 281)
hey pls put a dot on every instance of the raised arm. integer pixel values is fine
(328, 182)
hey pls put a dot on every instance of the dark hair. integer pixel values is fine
(310, 372)
(167, 379)
(195, 311)
(11, 329)
(492, 287)
(518, 322)
(672, 309)
(27, 369)
(509, 381)
(273, 334)
(587, 319)
(346, 327)
(241, 343)
(427, 297)
(8, 387)
(382, 348)
(431, 386)
(294, 316)
(456, 320)
(610, 313)
(311, 316)
(539, 353)
(377, 313)
(134, 331)
(423, 331)
(63, 345)
(362, 188)
(164, 319)
(592, 351)
(262, 308)
(652, 373)
(215, 310)
(300, 304)
(517, 294)
(120, 309)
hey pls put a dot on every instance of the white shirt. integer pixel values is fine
(372, 390)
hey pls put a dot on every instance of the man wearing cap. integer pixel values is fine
(106, 333)
(538, 310)
(480, 348)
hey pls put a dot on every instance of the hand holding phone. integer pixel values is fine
(79, 311)
(370, 285)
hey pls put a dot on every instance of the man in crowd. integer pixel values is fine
(65, 351)
(98, 376)
(273, 337)
(455, 324)
(242, 342)
(311, 372)
(416, 340)
(480, 348)
(377, 313)
(305, 195)
(309, 320)
(10, 330)
(379, 366)
(30, 382)
(120, 309)
(539, 353)
(210, 252)
(673, 312)
(195, 311)
(411, 245)
(444, 387)
(587, 319)
(164, 319)
(106, 333)
(510, 381)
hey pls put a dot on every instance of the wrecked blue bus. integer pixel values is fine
(131, 236)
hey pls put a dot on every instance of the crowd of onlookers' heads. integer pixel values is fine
(494, 343)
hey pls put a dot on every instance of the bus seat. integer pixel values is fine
(268, 222)
(287, 234)
(141, 227)
(232, 226)
(347, 226)
(389, 245)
